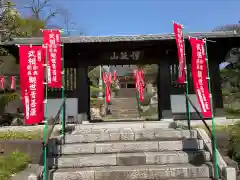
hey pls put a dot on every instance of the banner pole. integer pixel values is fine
(186, 86)
(46, 115)
(214, 145)
(63, 92)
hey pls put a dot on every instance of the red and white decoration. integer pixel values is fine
(178, 32)
(199, 74)
(32, 83)
(52, 41)
(139, 77)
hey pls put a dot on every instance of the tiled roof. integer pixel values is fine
(106, 39)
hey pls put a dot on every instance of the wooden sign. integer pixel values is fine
(126, 55)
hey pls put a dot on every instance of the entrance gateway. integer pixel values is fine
(158, 51)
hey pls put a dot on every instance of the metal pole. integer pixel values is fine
(63, 93)
(187, 87)
(46, 117)
(100, 83)
(214, 145)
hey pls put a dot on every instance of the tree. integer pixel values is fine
(228, 27)
(38, 8)
(231, 73)
(15, 25)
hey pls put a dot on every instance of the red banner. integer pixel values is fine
(199, 74)
(107, 79)
(110, 77)
(108, 93)
(115, 75)
(178, 32)
(13, 83)
(2, 83)
(31, 80)
(140, 83)
(51, 39)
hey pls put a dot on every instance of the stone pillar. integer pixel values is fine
(164, 90)
(216, 88)
(83, 93)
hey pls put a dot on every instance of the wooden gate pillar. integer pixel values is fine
(164, 90)
(83, 93)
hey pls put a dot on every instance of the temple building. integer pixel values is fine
(125, 53)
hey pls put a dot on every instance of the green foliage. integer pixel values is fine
(235, 142)
(11, 135)
(13, 163)
(230, 76)
(17, 26)
(5, 99)
(95, 89)
(96, 102)
(114, 86)
(228, 27)
(93, 75)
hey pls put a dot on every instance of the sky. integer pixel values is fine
(128, 17)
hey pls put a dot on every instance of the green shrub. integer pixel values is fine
(13, 163)
(234, 150)
(232, 111)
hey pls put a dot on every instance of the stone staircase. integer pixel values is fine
(130, 151)
(124, 108)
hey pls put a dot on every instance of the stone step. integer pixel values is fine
(131, 159)
(145, 172)
(117, 116)
(124, 101)
(124, 113)
(123, 119)
(124, 104)
(103, 135)
(129, 146)
(130, 101)
(118, 125)
(123, 109)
